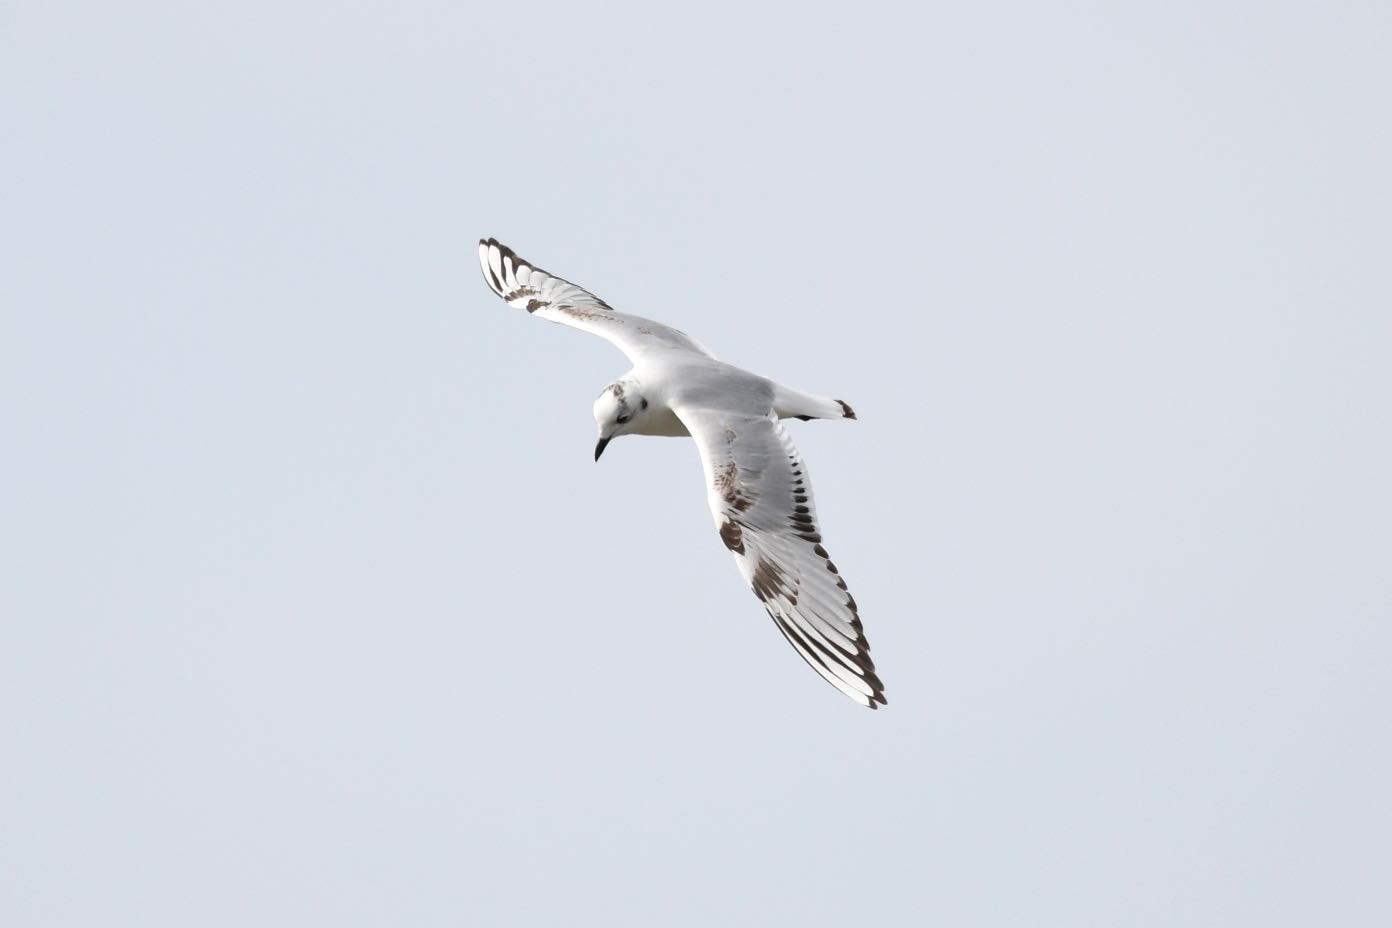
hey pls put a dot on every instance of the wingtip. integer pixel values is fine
(490, 261)
(846, 411)
(878, 694)
(874, 700)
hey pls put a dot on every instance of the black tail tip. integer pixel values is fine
(846, 411)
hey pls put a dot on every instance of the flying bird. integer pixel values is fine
(756, 484)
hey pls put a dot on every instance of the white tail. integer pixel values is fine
(794, 404)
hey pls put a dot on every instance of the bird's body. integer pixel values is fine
(756, 484)
(682, 379)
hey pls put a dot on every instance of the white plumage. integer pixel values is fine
(756, 484)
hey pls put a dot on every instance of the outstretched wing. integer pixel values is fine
(762, 504)
(526, 286)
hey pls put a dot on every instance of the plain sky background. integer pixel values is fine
(317, 612)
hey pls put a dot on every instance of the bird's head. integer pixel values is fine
(615, 411)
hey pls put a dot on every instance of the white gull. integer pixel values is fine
(756, 484)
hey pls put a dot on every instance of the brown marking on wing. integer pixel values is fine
(725, 480)
(733, 536)
(769, 581)
(735, 496)
(575, 312)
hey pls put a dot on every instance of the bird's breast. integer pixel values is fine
(662, 421)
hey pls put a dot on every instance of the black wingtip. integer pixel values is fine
(504, 250)
(846, 411)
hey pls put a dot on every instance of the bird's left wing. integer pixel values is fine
(762, 503)
(526, 286)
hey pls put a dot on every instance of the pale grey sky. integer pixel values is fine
(316, 610)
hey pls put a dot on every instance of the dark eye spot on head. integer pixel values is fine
(622, 419)
(645, 403)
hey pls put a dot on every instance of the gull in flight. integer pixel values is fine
(755, 481)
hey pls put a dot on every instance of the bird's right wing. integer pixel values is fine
(762, 504)
(526, 286)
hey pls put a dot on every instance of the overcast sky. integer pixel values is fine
(316, 609)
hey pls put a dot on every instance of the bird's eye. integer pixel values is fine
(622, 419)
(645, 404)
